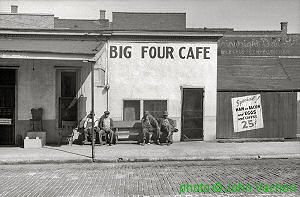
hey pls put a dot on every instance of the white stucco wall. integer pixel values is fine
(100, 92)
(36, 88)
(161, 78)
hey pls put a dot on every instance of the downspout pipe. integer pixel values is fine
(107, 78)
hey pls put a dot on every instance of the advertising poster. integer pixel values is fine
(247, 113)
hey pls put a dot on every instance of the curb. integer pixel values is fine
(131, 160)
(52, 161)
(157, 159)
(212, 158)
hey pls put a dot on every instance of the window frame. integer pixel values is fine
(142, 105)
(123, 108)
(166, 100)
(99, 82)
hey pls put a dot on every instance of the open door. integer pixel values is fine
(7, 106)
(192, 114)
(67, 100)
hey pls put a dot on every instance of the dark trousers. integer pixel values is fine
(108, 132)
(167, 135)
(150, 133)
(87, 133)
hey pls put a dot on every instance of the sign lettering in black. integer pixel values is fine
(161, 52)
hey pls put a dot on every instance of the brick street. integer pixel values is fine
(149, 178)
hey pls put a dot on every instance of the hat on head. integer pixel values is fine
(106, 112)
(165, 113)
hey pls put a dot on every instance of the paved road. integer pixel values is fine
(153, 179)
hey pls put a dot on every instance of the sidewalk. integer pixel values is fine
(133, 152)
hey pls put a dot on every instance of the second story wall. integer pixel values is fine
(149, 21)
(26, 21)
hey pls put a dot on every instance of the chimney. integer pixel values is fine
(284, 27)
(102, 14)
(14, 9)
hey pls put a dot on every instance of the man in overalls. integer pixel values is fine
(149, 127)
(105, 127)
(87, 127)
(167, 127)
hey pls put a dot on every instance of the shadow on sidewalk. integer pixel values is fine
(68, 152)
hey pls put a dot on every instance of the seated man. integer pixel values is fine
(167, 127)
(105, 127)
(87, 127)
(149, 127)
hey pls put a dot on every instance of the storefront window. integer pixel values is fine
(155, 107)
(131, 110)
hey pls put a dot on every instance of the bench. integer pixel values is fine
(127, 130)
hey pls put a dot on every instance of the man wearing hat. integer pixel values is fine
(167, 127)
(87, 127)
(149, 126)
(105, 127)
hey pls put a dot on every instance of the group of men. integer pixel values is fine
(103, 126)
(161, 128)
(157, 130)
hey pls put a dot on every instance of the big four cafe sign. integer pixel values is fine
(160, 52)
(247, 113)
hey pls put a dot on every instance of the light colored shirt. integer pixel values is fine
(146, 122)
(166, 124)
(88, 123)
(106, 123)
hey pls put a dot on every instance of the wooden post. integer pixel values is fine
(93, 111)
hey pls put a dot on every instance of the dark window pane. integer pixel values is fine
(67, 101)
(7, 96)
(7, 77)
(68, 110)
(155, 107)
(131, 110)
(68, 84)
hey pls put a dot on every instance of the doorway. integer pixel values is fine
(67, 99)
(7, 106)
(192, 114)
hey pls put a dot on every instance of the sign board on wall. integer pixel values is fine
(247, 113)
(160, 52)
(5, 121)
(259, 46)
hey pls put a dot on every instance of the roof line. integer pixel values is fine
(152, 12)
(164, 33)
(31, 14)
(111, 33)
(260, 90)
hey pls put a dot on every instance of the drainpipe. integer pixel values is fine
(107, 78)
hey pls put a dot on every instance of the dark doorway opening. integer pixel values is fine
(192, 114)
(68, 99)
(7, 106)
